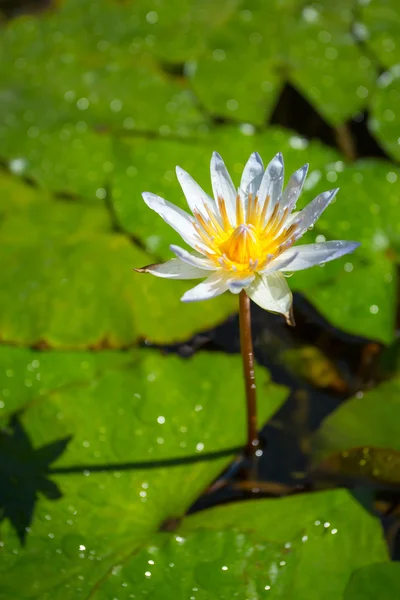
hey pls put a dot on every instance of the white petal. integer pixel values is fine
(190, 259)
(237, 285)
(293, 188)
(174, 269)
(252, 176)
(272, 293)
(214, 285)
(279, 265)
(303, 257)
(272, 182)
(222, 186)
(196, 197)
(177, 218)
(309, 215)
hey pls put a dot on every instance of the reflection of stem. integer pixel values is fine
(345, 141)
(246, 345)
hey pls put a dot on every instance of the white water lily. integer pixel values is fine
(242, 240)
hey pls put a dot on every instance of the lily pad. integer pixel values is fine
(295, 550)
(369, 420)
(384, 119)
(136, 443)
(376, 581)
(326, 64)
(367, 208)
(379, 28)
(82, 293)
(268, 43)
(71, 78)
(360, 300)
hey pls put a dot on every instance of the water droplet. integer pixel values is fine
(152, 17)
(391, 177)
(232, 104)
(219, 54)
(116, 105)
(82, 103)
(101, 193)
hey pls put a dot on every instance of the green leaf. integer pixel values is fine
(369, 420)
(268, 43)
(375, 465)
(384, 121)
(326, 64)
(379, 28)
(96, 460)
(73, 76)
(28, 375)
(238, 76)
(81, 293)
(355, 296)
(366, 208)
(302, 547)
(375, 581)
(360, 439)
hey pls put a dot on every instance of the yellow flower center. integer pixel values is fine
(249, 244)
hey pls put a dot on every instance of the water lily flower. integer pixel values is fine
(244, 239)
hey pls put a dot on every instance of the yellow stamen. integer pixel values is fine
(239, 210)
(226, 224)
(249, 246)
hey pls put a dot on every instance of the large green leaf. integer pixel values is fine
(326, 64)
(83, 293)
(238, 76)
(367, 208)
(356, 296)
(384, 120)
(379, 28)
(72, 76)
(305, 547)
(247, 61)
(375, 581)
(368, 420)
(72, 283)
(101, 458)
(360, 439)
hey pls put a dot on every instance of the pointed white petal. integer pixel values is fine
(309, 215)
(252, 176)
(222, 186)
(214, 285)
(272, 182)
(174, 269)
(303, 257)
(293, 189)
(190, 259)
(237, 285)
(177, 218)
(272, 293)
(196, 197)
(279, 264)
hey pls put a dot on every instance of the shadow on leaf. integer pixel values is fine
(24, 475)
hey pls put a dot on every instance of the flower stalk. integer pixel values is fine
(246, 346)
